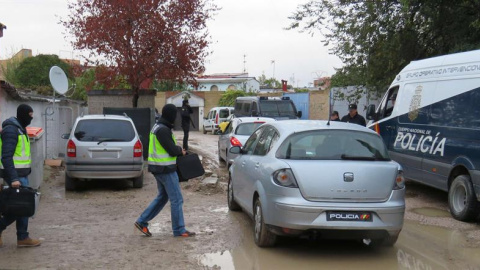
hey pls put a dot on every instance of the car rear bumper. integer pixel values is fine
(104, 172)
(387, 217)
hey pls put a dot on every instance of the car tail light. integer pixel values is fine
(259, 122)
(377, 128)
(235, 142)
(137, 149)
(285, 178)
(399, 181)
(71, 149)
(216, 119)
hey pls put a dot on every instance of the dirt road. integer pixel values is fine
(93, 229)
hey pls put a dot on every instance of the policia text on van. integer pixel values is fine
(429, 121)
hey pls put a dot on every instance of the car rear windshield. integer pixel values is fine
(277, 108)
(247, 129)
(224, 113)
(94, 130)
(333, 145)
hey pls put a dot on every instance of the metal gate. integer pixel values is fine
(301, 101)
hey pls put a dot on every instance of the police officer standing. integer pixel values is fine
(353, 116)
(186, 120)
(15, 166)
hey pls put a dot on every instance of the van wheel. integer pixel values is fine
(138, 181)
(262, 236)
(70, 183)
(232, 204)
(462, 201)
(204, 130)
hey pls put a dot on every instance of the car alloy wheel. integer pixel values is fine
(232, 204)
(263, 237)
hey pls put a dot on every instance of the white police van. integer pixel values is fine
(433, 130)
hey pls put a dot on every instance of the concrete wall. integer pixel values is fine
(211, 100)
(98, 99)
(318, 105)
(55, 120)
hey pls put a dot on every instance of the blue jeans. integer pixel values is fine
(22, 222)
(168, 189)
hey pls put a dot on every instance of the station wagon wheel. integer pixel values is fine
(262, 236)
(462, 201)
(232, 204)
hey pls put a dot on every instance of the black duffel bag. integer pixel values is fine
(19, 202)
(188, 167)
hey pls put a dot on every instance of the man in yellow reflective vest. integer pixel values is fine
(162, 163)
(15, 167)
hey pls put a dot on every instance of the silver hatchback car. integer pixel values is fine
(103, 147)
(236, 134)
(331, 180)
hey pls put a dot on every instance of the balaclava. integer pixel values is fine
(23, 115)
(169, 113)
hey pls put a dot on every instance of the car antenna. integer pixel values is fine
(329, 106)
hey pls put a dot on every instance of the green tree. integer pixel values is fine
(376, 39)
(229, 97)
(33, 72)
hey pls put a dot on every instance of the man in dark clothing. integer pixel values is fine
(353, 116)
(162, 163)
(15, 166)
(186, 120)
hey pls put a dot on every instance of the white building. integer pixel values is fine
(226, 81)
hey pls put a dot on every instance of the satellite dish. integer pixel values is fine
(58, 80)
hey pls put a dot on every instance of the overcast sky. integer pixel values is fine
(248, 27)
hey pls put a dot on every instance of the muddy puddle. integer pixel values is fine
(419, 247)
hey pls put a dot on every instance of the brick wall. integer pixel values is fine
(98, 99)
(211, 100)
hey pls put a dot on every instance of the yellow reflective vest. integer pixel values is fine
(22, 157)
(157, 155)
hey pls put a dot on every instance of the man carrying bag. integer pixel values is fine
(162, 163)
(15, 166)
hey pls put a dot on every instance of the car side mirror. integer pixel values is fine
(299, 114)
(236, 150)
(65, 136)
(371, 112)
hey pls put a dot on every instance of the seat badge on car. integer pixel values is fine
(348, 177)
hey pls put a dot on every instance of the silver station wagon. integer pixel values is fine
(333, 181)
(103, 147)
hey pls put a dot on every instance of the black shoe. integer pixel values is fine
(143, 229)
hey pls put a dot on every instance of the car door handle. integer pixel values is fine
(390, 127)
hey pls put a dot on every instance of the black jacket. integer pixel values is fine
(186, 111)
(357, 119)
(11, 128)
(164, 137)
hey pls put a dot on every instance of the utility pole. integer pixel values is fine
(273, 62)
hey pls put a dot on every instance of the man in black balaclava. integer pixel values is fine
(15, 167)
(162, 163)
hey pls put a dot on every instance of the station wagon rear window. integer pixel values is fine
(333, 145)
(94, 130)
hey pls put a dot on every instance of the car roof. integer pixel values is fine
(220, 108)
(104, 116)
(292, 126)
(253, 119)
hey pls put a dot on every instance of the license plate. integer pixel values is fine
(349, 216)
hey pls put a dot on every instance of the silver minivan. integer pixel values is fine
(103, 147)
